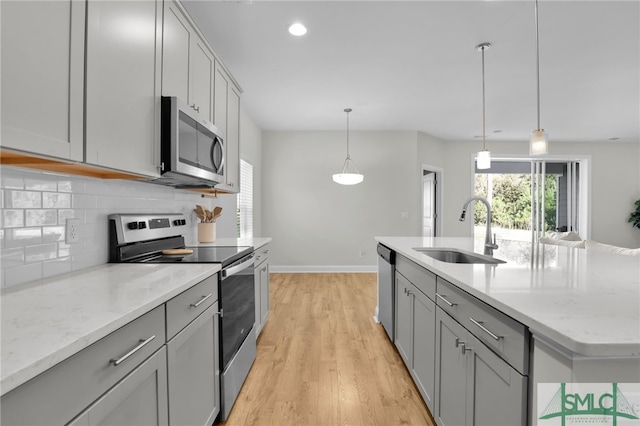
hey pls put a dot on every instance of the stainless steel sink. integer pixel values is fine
(450, 255)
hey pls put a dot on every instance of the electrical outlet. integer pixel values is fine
(72, 231)
(362, 253)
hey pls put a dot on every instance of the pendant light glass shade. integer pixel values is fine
(346, 176)
(483, 159)
(538, 144)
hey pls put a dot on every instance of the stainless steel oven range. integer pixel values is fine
(142, 238)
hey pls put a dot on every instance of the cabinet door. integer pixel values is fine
(264, 292)
(424, 337)
(232, 147)
(403, 319)
(221, 87)
(122, 83)
(451, 371)
(139, 399)
(43, 77)
(193, 370)
(495, 384)
(201, 63)
(176, 42)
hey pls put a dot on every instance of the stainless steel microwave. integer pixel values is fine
(192, 148)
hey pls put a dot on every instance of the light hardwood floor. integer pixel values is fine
(322, 360)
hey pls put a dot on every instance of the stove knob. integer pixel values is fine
(183, 222)
(132, 225)
(142, 225)
(177, 222)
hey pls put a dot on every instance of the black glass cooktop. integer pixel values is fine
(224, 255)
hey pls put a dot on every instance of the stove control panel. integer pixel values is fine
(131, 228)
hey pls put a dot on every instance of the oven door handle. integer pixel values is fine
(237, 268)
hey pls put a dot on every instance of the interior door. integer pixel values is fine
(429, 205)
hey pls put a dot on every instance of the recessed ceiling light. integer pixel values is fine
(297, 29)
(614, 139)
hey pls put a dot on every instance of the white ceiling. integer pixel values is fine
(412, 65)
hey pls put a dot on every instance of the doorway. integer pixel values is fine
(431, 177)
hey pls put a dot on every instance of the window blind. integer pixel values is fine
(245, 201)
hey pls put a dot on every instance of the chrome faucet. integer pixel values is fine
(489, 245)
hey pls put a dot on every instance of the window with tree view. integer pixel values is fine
(514, 200)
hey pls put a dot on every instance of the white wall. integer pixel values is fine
(317, 224)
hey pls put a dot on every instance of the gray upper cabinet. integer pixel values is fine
(187, 63)
(43, 77)
(123, 85)
(226, 112)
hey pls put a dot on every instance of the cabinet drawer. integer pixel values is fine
(504, 335)
(424, 280)
(261, 254)
(63, 391)
(186, 306)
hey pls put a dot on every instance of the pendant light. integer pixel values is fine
(483, 159)
(538, 144)
(345, 177)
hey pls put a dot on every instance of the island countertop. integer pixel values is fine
(585, 301)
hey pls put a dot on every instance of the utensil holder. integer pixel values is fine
(206, 232)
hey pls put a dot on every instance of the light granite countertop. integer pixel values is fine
(221, 242)
(585, 301)
(49, 320)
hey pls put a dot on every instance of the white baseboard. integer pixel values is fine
(322, 268)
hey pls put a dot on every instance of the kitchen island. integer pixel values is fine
(580, 309)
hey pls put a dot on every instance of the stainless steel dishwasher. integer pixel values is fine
(386, 291)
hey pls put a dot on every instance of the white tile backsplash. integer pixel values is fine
(35, 206)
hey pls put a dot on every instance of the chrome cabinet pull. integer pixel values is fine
(143, 343)
(445, 300)
(221, 313)
(459, 342)
(195, 305)
(464, 348)
(483, 328)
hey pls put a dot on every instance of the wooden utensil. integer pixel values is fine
(177, 251)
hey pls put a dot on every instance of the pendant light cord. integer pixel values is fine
(484, 147)
(537, 62)
(348, 110)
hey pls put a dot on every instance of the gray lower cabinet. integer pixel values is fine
(64, 391)
(415, 331)
(193, 373)
(262, 287)
(423, 368)
(139, 399)
(474, 386)
(403, 319)
(161, 368)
